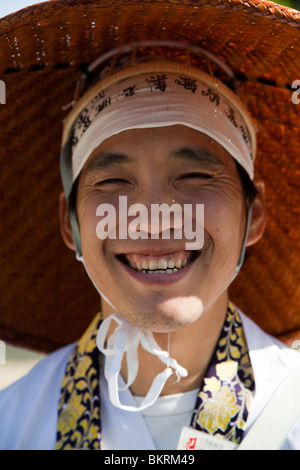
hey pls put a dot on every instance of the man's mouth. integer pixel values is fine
(168, 263)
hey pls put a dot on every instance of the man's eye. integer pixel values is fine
(111, 181)
(196, 175)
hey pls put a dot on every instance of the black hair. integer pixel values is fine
(72, 200)
(249, 188)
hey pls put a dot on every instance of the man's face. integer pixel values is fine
(155, 166)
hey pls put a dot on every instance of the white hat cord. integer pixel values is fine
(126, 339)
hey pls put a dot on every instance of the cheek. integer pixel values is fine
(224, 221)
(88, 220)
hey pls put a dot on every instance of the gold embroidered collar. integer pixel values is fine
(222, 404)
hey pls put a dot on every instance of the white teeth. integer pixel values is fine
(162, 266)
(145, 265)
(152, 265)
(159, 271)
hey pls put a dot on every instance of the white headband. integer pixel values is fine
(149, 98)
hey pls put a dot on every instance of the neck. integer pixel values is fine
(192, 347)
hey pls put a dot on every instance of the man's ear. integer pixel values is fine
(259, 215)
(64, 220)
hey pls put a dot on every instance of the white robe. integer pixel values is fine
(28, 408)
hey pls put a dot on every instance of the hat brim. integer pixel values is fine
(46, 300)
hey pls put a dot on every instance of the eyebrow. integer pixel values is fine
(200, 155)
(197, 154)
(104, 160)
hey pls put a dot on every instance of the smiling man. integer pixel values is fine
(169, 362)
(188, 298)
(149, 174)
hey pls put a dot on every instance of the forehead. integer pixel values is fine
(163, 144)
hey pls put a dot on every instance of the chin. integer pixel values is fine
(169, 315)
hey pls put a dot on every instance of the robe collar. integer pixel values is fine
(222, 405)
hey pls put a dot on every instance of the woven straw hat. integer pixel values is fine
(46, 299)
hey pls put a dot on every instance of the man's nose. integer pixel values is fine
(160, 211)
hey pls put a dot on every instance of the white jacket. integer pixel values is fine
(28, 408)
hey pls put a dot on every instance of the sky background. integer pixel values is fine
(7, 7)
